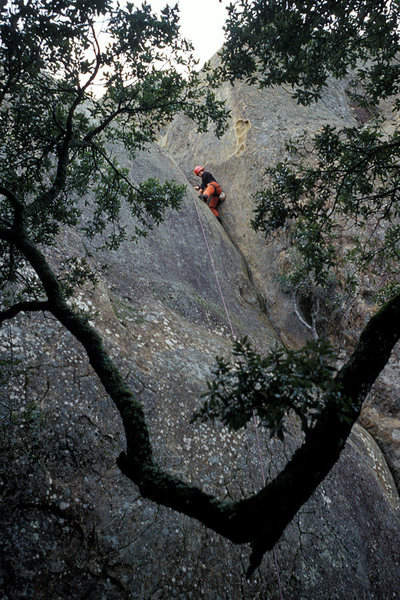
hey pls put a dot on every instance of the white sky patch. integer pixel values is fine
(201, 23)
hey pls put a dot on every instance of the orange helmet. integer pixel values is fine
(198, 169)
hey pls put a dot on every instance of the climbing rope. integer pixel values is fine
(214, 269)
(234, 336)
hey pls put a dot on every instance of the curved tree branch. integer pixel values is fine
(313, 326)
(27, 306)
(12, 198)
(63, 151)
(261, 518)
(137, 462)
(311, 463)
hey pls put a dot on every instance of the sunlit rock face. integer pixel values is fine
(261, 122)
(72, 526)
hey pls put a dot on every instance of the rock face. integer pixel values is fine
(72, 526)
(261, 123)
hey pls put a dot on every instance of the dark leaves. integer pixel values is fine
(271, 386)
(303, 43)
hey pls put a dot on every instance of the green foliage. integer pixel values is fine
(56, 135)
(77, 77)
(347, 179)
(339, 184)
(75, 273)
(303, 42)
(271, 387)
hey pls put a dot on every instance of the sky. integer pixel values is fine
(201, 23)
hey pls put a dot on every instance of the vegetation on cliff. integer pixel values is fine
(55, 150)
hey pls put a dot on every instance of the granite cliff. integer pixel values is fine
(72, 525)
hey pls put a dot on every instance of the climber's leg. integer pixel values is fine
(213, 203)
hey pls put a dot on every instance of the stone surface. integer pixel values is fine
(261, 122)
(72, 526)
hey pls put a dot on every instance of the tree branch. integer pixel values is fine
(261, 518)
(97, 52)
(117, 171)
(313, 326)
(102, 126)
(27, 306)
(12, 198)
(63, 156)
(311, 463)
(137, 463)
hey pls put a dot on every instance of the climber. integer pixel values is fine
(210, 189)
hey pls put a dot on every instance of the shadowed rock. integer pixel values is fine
(72, 525)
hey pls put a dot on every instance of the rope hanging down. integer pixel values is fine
(234, 335)
(214, 269)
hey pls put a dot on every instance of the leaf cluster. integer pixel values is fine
(336, 195)
(76, 271)
(340, 180)
(77, 79)
(270, 387)
(146, 201)
(302, 43)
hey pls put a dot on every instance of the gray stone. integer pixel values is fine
(72, 526)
